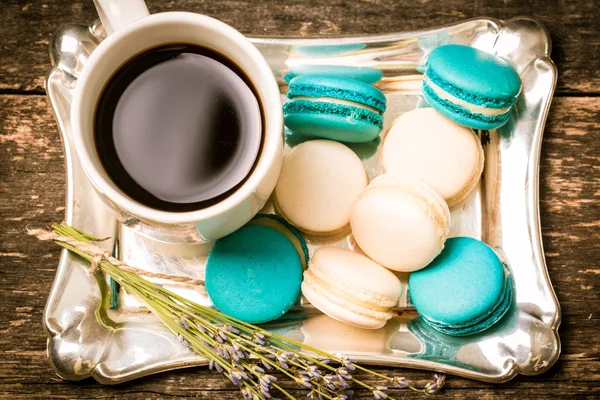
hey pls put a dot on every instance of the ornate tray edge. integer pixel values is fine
(67, 262)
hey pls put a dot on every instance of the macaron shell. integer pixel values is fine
(407, 221)
(291, 233)
(447, 156)
(363, 74)
(241, 269)
(482, 322)
(332, 121)
(319, 183)
(463, 283)
(474, 73)
(338, 88)
(400, 222)
(351, 288)
(357, 275)
(341, 310)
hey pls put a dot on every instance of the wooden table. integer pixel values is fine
(32, 182)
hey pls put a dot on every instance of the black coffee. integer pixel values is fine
(178, 128)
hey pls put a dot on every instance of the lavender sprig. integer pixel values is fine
(242, 353)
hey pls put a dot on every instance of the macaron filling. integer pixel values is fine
(338, 101)
(448, 105)
(355, 295)
(473, 108)
(344, 299)
(468, 97)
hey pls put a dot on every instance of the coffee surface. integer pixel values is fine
(178, 128)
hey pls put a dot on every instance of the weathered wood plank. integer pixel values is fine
(32, 195)
(27, 27)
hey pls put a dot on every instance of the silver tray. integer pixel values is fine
(86, 337)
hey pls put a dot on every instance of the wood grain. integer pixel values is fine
(32, 194)
(27, 27)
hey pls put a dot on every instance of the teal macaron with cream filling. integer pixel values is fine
(340, 109)
(471, 87)
(464, 290)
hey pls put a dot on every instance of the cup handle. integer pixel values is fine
(115, 14)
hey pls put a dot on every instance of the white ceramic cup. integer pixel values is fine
(131, 31)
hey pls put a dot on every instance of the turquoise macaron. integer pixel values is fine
(341, 109)
(281, 225)
(254, 274)
(464, 290)
(471, 87)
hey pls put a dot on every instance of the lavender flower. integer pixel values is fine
(283, 358)
(228, 343)
(343, 372)
(315, 396)
(379, 394)
(183, 341)
(347, 363)
(259, 338)
(303, 381)
(400, 382)
(184, 318)
(263, 391)
(313, 371)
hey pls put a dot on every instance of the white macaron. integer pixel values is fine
(447, 156)
(350, 287)
(319, 183)
(400, 222)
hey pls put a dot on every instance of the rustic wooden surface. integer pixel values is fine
(32, 185)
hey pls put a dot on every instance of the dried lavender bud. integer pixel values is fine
(259, 338)
(313, 371)
(343, 372)
(265, 364)
(400, 382)
(440, 379)
(431, 388)
(379, 394)
(231, 329)
(256, 368)
(183, 341)
(315, 396)
(303, 381)
(282, 360)
(263, 391)
(347, 363)
(246, 393)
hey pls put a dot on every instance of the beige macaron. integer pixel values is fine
(400, 222)
(350, 287)
(319, 183)
(447, 156)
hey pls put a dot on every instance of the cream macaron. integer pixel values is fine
(350, 287)
(319, 183)
(447, 156)
(400, 222)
